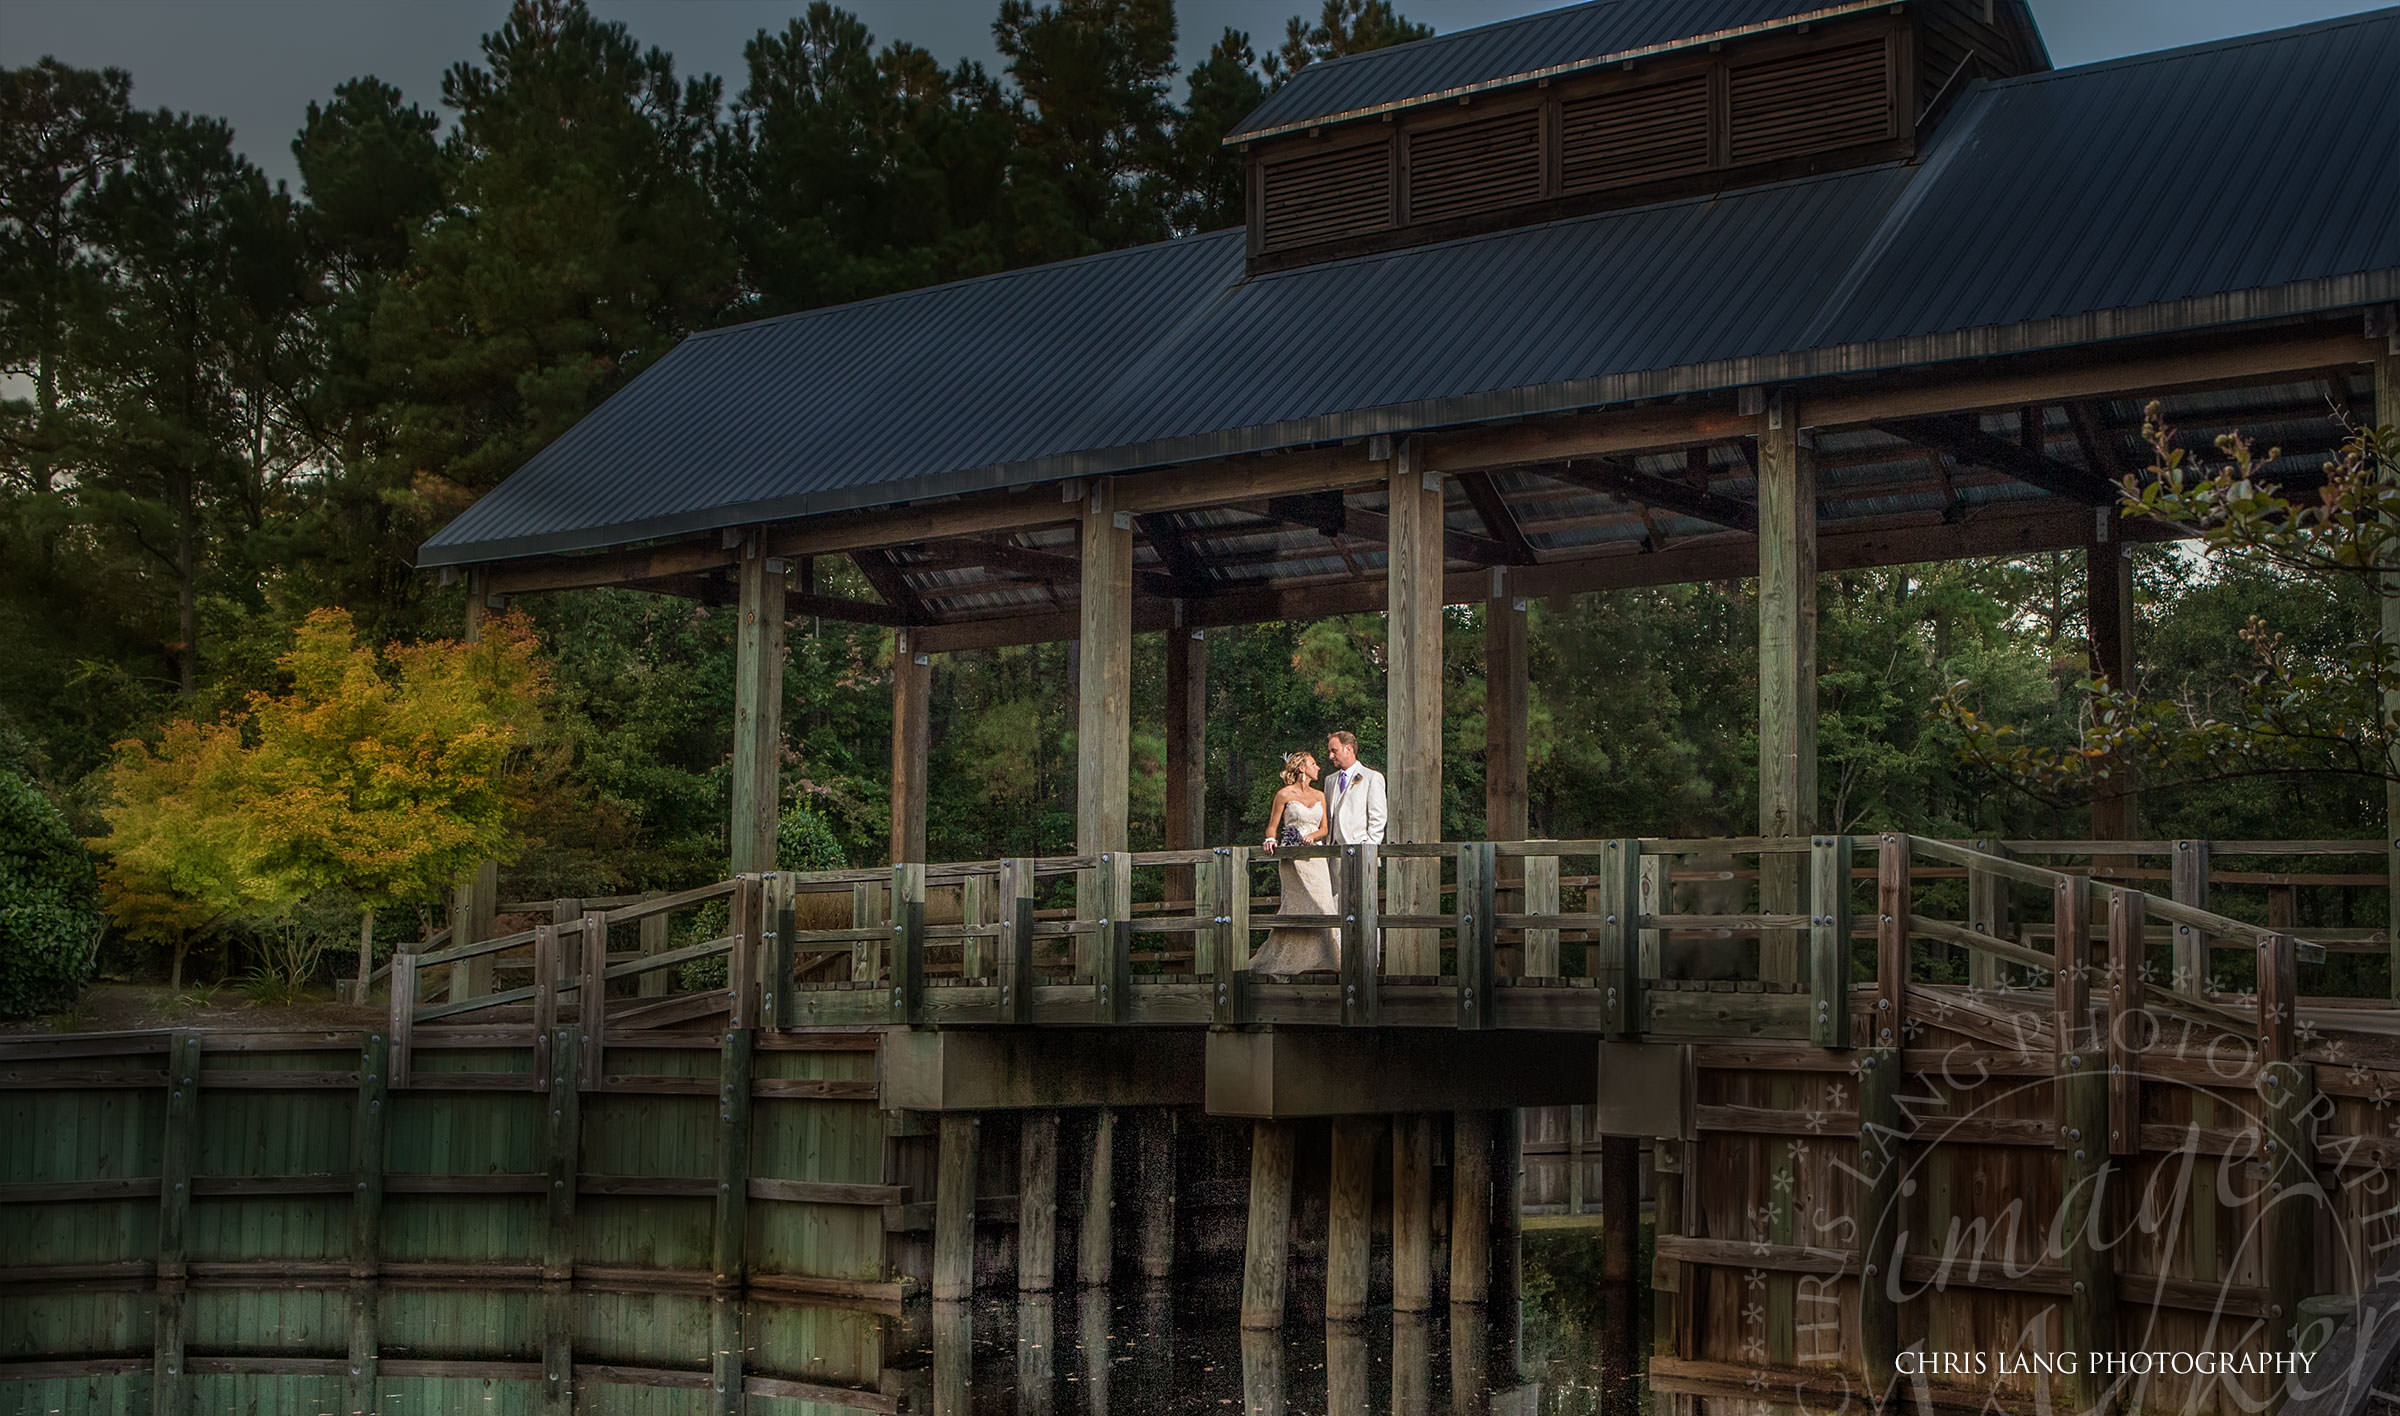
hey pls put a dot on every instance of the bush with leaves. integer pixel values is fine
(49, 904)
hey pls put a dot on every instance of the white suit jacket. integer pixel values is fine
(1357, 809)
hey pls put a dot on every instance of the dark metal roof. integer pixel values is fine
(2249, 179)
(1515, 51)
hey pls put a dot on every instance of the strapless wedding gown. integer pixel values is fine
(1307, 890)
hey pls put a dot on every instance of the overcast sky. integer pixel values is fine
(258, 63)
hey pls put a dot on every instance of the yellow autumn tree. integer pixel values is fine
(385, 773)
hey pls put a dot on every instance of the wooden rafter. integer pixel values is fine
(2100, 446)
(1499, 519)
(1186, 572)
(1376, 528)
(1615, 479)
(1963, 438)
(885, 576)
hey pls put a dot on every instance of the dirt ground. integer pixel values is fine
(130, 1007)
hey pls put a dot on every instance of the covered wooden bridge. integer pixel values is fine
(1623, 294)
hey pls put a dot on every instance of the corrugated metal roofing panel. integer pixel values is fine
(1519, 49)
(2186, 176)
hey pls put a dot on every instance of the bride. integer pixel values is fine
(1299, 819)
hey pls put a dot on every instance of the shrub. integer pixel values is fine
(49, 904)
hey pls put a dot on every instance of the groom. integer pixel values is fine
(1354, 798)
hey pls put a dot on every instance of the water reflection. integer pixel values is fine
(1181, 1351)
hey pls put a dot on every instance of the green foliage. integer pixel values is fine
(2309, 698)
(49, 908)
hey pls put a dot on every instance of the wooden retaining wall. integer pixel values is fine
(258, 1222)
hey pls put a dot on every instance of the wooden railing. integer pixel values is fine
(1568, 933)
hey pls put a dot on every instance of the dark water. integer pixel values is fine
(1570, 1350)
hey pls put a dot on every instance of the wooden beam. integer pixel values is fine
(1625, 483)
(1965, 440)
(1376, 527)
(1787, 668)
(624, 567)
(849, 611)
(1413, 706)
(1904, 540)
(891, 583)
(1187, 573)
(1499, 519)
(757, 708)
(1583, 435)
(912, 699)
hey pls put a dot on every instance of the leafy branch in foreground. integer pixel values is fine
(2287, 711)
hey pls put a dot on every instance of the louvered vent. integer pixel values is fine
(1472, 167)
(1811, 102)
(1618, 139)
(1325, 196)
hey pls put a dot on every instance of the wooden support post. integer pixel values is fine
(953, 1359)
(2278, 998)
(591, 998)
(1670, 1279)
(728, 1234)
(1880, 1223)
(1893, 903)
(1095, 1242)
(403, 1016)
(1412, 1213)
(476, 901)
(757, 708)
(2084, 1223)
(1016, 949)
(1620, 1207)
(169, 1391)
(1541, 897)
(1349, 1216)
(366, 955)
(545, 999)
(1363, 940)
(2294, 1196)
(2070, 914)
(1987, 913)
(1412, 1364)
(869, 908)
(1187, 749)
(1155, 1174)
(2387, 415)
(562, 1136)
(1232, 958)
(366, 1218)
(1471, 1206)
(2127, 1018)
(912, 734)
(779, 999)
(1264, 1392)
(1617, 898)
(1112, 963)
(1654, 900)
(2108, 611)
(1477, 903)
(2187, 876)
(1346, 1392)
(908, 943)
(1267, 1247)
(1787, 668)
(654, 941)
(741, 965)
(1413, 711)
(1037, 1202)
(1829, 941)
(1507, 814)
(975, 952)
(1104, 702)
(954, 1209)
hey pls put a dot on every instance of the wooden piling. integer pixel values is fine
(367, 1129)
(1620, 1208)
(1470, 1206)
(1412, 1214)
(1787, 667)
(1267, 1246)
(1349, 1218)
(1345, 1369)
(1156, 1178)
(1095, 1243)
(2084, 1223)
(2127, 1019)
(1037, 1202)
(954, 1210)
(2294, 1198)
(168, 1385)
(1879, 1218)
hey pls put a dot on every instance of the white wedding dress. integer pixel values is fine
(1307, 890)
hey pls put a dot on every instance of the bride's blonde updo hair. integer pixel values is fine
(1293, 774)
